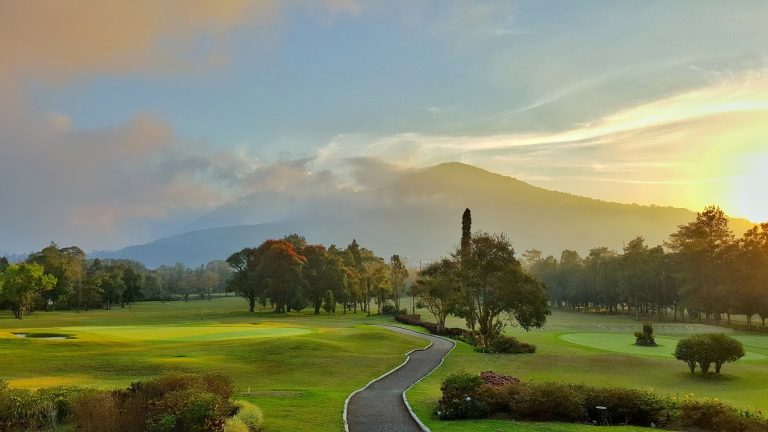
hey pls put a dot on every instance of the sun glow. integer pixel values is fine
(748, 194)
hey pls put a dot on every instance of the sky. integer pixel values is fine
(124, 121)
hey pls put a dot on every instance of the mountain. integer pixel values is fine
(418, 215)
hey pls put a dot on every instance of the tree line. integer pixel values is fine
(62, 278)
(702, 271)
(290, 275)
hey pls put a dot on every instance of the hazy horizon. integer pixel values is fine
(125, 122)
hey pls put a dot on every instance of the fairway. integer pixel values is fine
(623, 343)
(185, 333)
(599, 350)
(298, 369)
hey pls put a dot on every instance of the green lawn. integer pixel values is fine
(598, 350)
(624, 343)
(299, 369)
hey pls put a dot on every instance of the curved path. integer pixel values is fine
(381, 405)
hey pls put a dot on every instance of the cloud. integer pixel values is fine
(679, 150)
(96, 187)
(55, 41)
(105, 186)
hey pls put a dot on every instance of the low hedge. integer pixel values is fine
(510, 345)
(415, 320)
(467, 396)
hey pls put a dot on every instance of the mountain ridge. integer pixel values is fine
(417, 215)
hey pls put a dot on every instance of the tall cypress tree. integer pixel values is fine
(465, 253)
(466, 233)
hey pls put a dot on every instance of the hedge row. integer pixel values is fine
(415, 320)
(468, 396)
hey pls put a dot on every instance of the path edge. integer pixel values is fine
(423, 427)
(407, 357)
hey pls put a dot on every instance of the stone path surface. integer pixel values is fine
(380, 407)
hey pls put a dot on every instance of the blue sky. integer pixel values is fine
(121, 121)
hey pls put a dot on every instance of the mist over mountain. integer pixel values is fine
(417, 214)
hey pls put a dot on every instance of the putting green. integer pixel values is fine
(626, 344)
(182, 333)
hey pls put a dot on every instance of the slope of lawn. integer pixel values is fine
(618, 342)
(299, 369)
(603, 356)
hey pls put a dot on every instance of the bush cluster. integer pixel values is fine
(714, 415)
(706, 349)
(172, 403)
(389, 309)
(510, 345)
(247, 419)
(35, 410)
(468, 396)
(176, 402)
(461, 398)
(452, 332)
(645, 337)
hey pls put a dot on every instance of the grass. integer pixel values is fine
(598, 350)
(622, 343)
(297, 369)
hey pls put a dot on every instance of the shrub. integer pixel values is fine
(98, 411)
(388, 309)
(250, 415)
(415, 320)
(34, 410)
(627, 406)
(188, 410)
(549, 402)
(687, 351)
(466, 396)
(509, 344)
(712, 415)
(175, 402)
(461, 397)
(706, 349)
(235, 424)
(645, 337)
(724, 349)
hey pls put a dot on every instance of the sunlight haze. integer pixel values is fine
(136, 119)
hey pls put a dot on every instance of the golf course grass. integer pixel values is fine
(297, 369)
(623, 343)
(601, 354)
(300, 368)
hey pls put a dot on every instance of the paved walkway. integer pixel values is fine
(380, 406)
